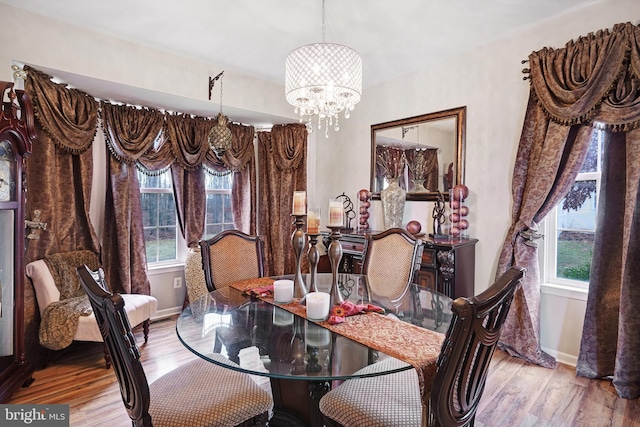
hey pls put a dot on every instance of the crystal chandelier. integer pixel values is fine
(323, 79)
(220, 137)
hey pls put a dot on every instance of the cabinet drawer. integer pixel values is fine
(429, 258)
(426, 279)
(355, 248)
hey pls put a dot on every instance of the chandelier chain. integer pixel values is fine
(221, 95)
(323, 15)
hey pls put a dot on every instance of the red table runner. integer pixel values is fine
(416, 346)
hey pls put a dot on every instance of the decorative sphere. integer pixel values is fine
(464, 210)
(364, 195)
(365, 215)
(414, 227)
(463, 224)
(363, 209)
(455, 204)
(460, 192)
(454, 231)
(365, 225)
(454, 217)
(363, 220)
(366, 204)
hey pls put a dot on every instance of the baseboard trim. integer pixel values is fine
(565, 358)
(166, 312)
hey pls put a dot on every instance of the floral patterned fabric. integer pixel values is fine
(611, 333)
(592, 81)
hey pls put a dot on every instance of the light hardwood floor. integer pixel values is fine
(517, 393)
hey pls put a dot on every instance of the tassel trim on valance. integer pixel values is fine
(616, 43)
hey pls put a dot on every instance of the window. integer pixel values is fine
(571, 225)
(219, 214)
(163, 240)
(159, 217)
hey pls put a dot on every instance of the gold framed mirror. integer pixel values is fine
(425, 153)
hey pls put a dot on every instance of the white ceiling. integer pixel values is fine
(393, 37)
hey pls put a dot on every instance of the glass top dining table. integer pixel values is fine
(263, 339)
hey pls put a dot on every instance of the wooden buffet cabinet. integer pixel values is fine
(448, 265)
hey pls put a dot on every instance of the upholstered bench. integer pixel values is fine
(139, 308)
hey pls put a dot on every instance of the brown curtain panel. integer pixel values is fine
(611, 334)
(129, 133)
(187, 137)
(282, 154)
(60, 168)
(591, 81)
(240, 159)
(59, 175)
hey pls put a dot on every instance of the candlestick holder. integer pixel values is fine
(335, 255)
(314, 257)
(298, 241)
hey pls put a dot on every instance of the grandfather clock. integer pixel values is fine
(16, 133)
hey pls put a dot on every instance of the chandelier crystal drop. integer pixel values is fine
(323, 79)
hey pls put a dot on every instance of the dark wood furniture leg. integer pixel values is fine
(291, 409)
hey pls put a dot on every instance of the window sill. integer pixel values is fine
(155, 269)
(564, 291)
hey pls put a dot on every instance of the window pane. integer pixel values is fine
(215, 205)
(147, 181)
(212, 230)
(159, 217)
(575, 250)
(164, 180)
(575, 232)
(166, 209)
(591, 161)
(150, 238)
(167, 247)
(579, 207)
(214, 182)
(228, 212)
(149, 209)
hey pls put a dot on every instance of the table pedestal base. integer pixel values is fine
(291, 409)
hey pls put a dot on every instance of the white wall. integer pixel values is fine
(489, 82)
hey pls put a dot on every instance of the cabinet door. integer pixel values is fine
(16, 132)
(7, 288)
(426, 279)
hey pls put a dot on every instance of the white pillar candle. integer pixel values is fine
(316, 336)
(299, 202)
(313, 221)
(283, 291)
(317, 305)
(336, 213)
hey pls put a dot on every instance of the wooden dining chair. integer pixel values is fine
(391, 259)
(198, 393)
(231, 256)
(460, 377)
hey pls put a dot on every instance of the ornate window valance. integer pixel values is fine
(594, 78)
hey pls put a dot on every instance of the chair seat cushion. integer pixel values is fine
(201, 393)
(381, 401)
(139, 307)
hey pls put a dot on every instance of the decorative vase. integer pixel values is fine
(418, 186)
(393, 199)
